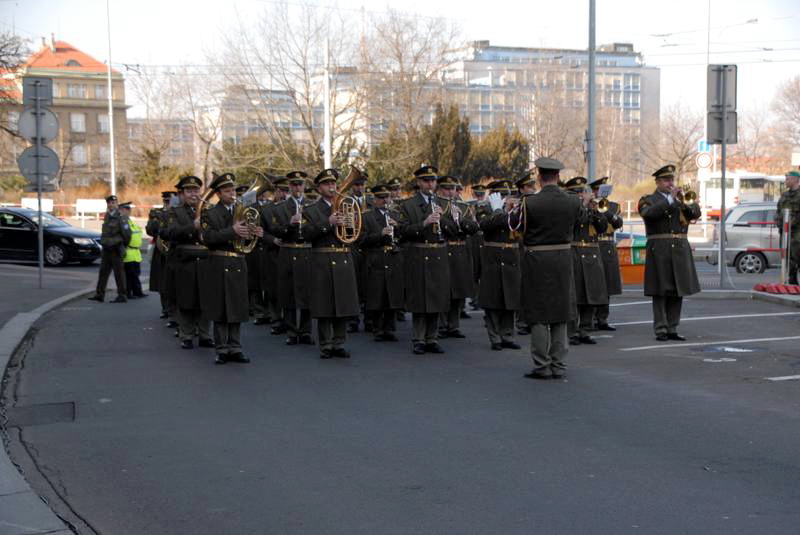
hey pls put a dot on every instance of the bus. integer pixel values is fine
(740, 186)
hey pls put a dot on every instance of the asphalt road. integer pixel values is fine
(666, 439)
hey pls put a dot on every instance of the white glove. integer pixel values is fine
(496, 200)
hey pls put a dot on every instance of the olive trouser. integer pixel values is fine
(111, 259)
(383, 321)
(583, 323)
(424, 327)
(227, 338)
(451, 319)
(297, 327)
(666, 313)
(132, 282)
(191, 324)
(549, 347)
(331, 332)
(499, 325)
(601, 313)
(258, 305)
(794, 261)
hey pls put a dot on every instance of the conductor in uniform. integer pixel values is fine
(333, 295)
(225, 294)
(669, 272)
(423, 225)
(548, 287)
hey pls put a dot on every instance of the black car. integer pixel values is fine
(63, 243)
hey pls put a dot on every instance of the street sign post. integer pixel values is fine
(37, 90)
(38, 160)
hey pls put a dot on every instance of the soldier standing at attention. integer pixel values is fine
(190, 261)
(548, 287)
(115, 235)
(501, 277)
(384, 279)
(669, 272)
(423, 225)
(791, 199)
(132, 260)
(156, 224)
(608, 253)
(333, 296)
(225, 297)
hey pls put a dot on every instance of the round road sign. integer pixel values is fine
(48, 125)
(703, 160)
(48, 163)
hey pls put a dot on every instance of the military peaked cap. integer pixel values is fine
(380, 190)
(222, 181)
(296, 177)
(527, 178)
(447, 181)
(281, 182)
(426, 172)
(167, 194)
(394, 184)
(127, 205)
(111, 198)
(478, 188)
(241, 188)
(548, 163)
(576, 183)
(668, 171)
(326, 175)
(599, 182)
(500, 186)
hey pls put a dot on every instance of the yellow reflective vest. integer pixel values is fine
(133, 252)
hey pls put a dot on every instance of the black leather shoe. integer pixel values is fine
(187, 344)
(379, 338)
(497, 346)
(662, 337)
(279, 329)
(464, 315)
(119, 299)
(536, 374)
(574, 341)
(558, 375)
(291, 341)
(139, 296)
(238, 357)
(605, 327)
(676, 336)
(587, 340)
(433, 347)
(390, 337)
(306, 339)
(261, 321)
(206, 342)
(524, 331)
(96, 298)
(341, 353)
(400, 316)
(164, 315)
(510, 344)
(419, 349)
(172, 324)
(326, 354)
(177, 333)
(220, 359)
(455, 333)
(352, 327)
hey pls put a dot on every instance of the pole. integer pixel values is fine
(785, 242)
(326, 142)
(112, 155)
(724, 104)
(40, 230)
(590, 155)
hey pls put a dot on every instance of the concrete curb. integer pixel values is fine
(22, 511)
(780, 299)
(704, 294)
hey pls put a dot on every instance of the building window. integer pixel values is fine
(102, 123)
(105, 154)
(79, 154)
(76, 90)
(77, 122)
(100, 91)
(13, 120)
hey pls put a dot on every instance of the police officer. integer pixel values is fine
(156, 223)
(608, 254)
(669, 272)
(225, 294)
(384, 278)
(294, 261)
(501, 276)
(546, 221)
(132, 260)
(791, 199)
(189, 262)
(590, 280)
(115, 234)
(424, 225)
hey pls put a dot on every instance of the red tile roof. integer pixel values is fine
(64, 53)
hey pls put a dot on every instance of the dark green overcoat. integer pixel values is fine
(224, 294)
(501, 273)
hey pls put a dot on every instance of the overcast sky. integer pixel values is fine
(761, 36)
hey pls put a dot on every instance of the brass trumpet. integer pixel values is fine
(686, 195)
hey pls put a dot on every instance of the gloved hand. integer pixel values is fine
(496, 200)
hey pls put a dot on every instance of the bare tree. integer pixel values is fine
(786, 106)
(676, 142)
(556, 130)
(13, 50)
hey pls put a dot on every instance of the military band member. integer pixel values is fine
(590, 280)
(272, 248)
(548, 287)
(791, 199)
(427, 270)
(256, 289)
(526, 185)
(384, 279)
(395, 187)
(333, 295)
(475, 242)
(669, 272)
(190, 254)
(114, 236)
(224, 294)
(156, 223)
(294, 261)
(608, 253)
(461, 275)
(501, 275)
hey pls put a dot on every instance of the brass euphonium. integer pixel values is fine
(202, 204)
(350, 230)
(245, 211)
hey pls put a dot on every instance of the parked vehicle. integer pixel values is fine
(753, 242)
(63, 243)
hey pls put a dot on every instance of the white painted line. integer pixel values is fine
(631, 303)
(784, 378)
(720, 342)
(703, 318)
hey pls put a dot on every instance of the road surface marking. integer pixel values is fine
(631, 303)
(702, 318)
(784, 378)
(720, 342)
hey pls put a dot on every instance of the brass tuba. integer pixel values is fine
(349, 231)
(245, 211)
